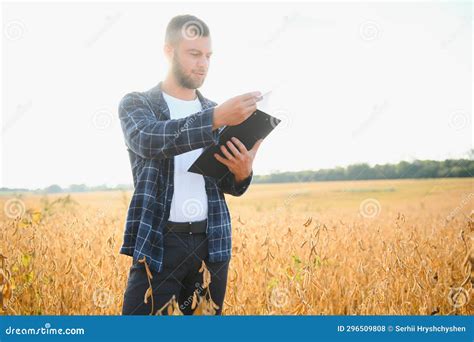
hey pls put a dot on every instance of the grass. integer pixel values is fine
(337, 248)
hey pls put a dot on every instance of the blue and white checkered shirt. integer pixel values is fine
(152, 140)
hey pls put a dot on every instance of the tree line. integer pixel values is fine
(362, 171)
(403, 169)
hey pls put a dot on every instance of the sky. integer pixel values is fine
(352, 82)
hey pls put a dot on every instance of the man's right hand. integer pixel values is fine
(236, 110)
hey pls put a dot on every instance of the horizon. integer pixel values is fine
(118, 186)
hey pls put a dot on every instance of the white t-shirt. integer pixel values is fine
(189, 201)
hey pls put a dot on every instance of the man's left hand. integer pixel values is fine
(240, 160)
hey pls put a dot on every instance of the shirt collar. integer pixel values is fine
(156, 97)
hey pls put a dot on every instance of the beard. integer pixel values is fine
(185, 81)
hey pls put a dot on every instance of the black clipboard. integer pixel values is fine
(257, 126)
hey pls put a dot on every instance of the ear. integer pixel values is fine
(168, 51)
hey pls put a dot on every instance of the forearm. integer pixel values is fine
(157, 139)
(218, 120)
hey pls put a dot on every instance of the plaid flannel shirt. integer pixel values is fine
(152, 140)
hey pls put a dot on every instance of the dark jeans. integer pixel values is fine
(180, 276)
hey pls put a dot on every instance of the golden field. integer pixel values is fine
(391, 247)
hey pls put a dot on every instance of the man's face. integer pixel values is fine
(190, 61)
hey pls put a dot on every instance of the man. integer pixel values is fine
(177, 219)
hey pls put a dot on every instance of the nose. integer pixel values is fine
(203, 63)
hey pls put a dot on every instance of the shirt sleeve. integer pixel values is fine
(229, 186)
(151, 138)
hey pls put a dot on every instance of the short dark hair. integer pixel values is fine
(185, 27)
